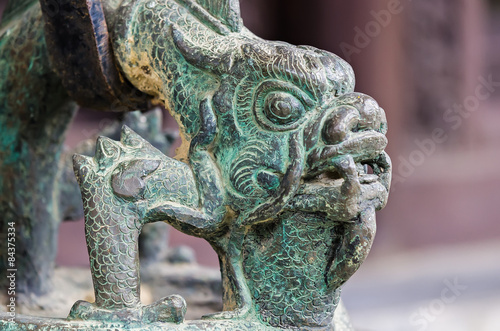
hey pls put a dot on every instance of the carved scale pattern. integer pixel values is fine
(113, 223)
(176, 80)
(286, 266)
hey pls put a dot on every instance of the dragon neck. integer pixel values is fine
(149, 59)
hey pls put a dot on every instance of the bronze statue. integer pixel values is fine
(274, 171)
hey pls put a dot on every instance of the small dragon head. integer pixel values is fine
(127, 174)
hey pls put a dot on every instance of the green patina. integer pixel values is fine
(276, 147)
(37, 185)
(277, 143)
(34, 114)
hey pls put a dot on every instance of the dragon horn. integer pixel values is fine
(202, 58)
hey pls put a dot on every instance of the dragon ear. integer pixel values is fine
(106, 149)
(220, 12)
(130, 138)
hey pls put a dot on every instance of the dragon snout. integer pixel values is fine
(339, 124)
(354, 125)
(360, 114)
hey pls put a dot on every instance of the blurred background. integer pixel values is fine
(434, 66)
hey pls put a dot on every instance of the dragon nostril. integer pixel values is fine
(339, 124)
(372, 116)
(331, 134)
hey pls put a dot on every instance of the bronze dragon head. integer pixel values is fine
(287, 162)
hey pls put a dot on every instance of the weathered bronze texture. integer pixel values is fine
(80, 52)
(36, 189)
(153, 241)
(277, 146)
(35, 111)
(281, 170)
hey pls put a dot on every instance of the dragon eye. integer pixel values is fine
(282, 108)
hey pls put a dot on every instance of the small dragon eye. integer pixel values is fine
(282, 108)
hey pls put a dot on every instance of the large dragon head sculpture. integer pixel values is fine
(284, 114)
(287, 162)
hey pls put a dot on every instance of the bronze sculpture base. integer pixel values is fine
(49, 324)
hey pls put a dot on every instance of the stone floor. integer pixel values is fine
(437, 289)
(199, 286)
